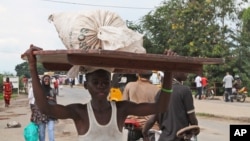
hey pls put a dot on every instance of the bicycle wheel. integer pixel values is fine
(243, 98)
(210, 94)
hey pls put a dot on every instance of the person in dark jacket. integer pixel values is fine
(180, 112)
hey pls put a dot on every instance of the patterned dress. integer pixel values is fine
(7, 88)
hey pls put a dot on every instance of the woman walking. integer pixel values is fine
(7, 91)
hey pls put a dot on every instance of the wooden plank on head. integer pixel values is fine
(121, 61)
(56, 66)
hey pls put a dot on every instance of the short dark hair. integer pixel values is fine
(145, 74)
(180, 76)
(99, 70)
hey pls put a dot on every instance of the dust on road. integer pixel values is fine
(19, 111)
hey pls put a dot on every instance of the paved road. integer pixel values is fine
(219, 116)
(211, 128)
(228, 110)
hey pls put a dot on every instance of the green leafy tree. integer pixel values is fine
(241, 50)
(191, 28)
(23, 69)
(199, 28)
(147, 44)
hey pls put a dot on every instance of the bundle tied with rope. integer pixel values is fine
(97, 29)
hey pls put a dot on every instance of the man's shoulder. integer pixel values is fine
(77, 106)
(229, 77)
(130, 84)
(151, 86)
(198, 77)
(180, 86)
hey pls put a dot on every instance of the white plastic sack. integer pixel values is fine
(97, 29)
(121, 38)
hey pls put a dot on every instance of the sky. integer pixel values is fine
(25, 22)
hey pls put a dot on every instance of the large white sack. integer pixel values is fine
(97, 29)
(120, 38)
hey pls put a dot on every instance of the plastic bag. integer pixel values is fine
(31, 132)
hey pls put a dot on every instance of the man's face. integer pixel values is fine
(98, 84)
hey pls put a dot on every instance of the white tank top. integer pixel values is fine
(97, 132)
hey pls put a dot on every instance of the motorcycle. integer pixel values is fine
(238, 95)
(134, 128)
(135, 131)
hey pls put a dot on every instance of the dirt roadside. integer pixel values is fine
(19, 111)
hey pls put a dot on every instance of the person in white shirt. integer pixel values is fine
(155, 78)
(31, 97)
(197, 81)
(228, 84)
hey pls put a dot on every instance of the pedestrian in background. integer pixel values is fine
(141, 91)
(228, 85)
(198, 84)
(204, 83)
(43, 121)
(71, 82)
(56, 84)
(7, 91)
(179, 114)
(155, 78)
(31, 98)
(237, 84)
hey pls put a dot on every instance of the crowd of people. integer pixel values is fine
(142, 99)
(141, 93)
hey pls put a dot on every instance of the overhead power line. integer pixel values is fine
(95, 5)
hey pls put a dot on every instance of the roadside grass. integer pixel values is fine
(240, 119)
(205, 115)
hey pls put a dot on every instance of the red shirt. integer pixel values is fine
(204, 81)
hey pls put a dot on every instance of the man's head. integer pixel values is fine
(145, 74)
(180, 76)
(237, 76)
(98, 83)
